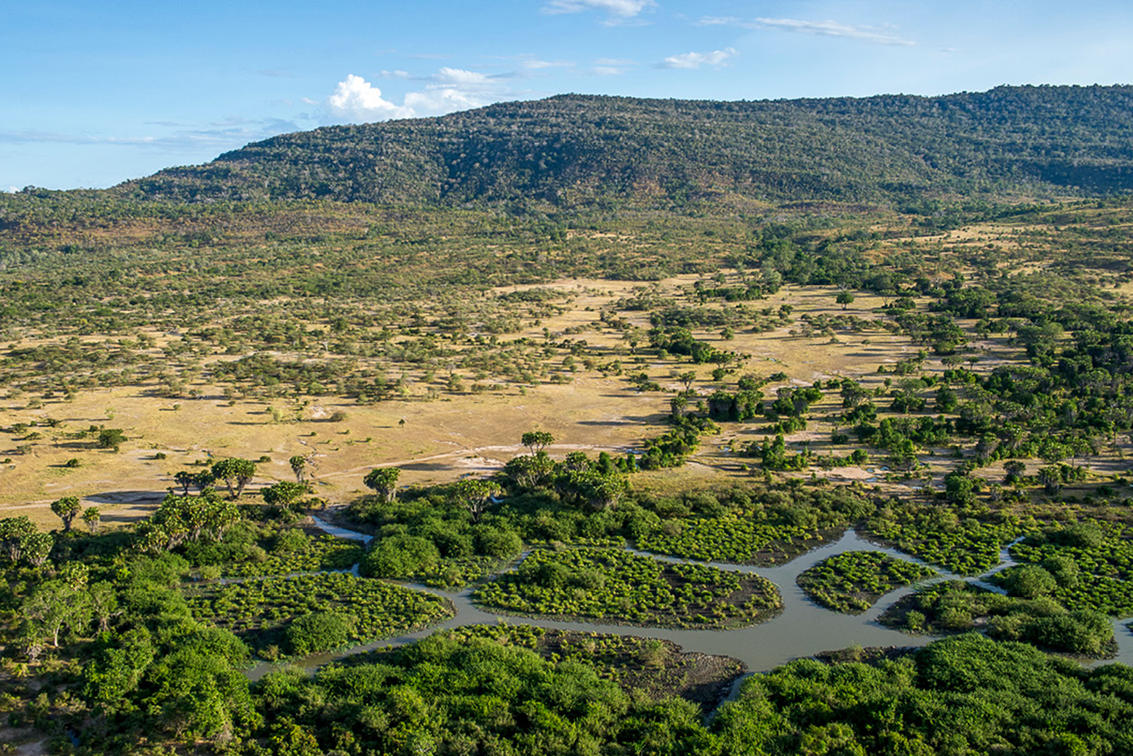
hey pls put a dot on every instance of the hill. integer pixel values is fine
(574, 150)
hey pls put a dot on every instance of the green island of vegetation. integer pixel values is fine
(251, 552)
(616, 586)
(954, 606)
(659, 669)
(1083, 565)
(307, 613)
(853, 581)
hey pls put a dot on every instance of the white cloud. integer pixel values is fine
(611, 66)
(176, 137)
(535, 64)
(461, 77)
(397, 73)
(877, 35)
(356, 98)
(716, 58)
(619, 9)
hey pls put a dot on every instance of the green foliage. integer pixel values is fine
(643, 667)
(958, 607)
(767, 528)
(250, 551)
(961, 695)
(13, 531)
(111, 438)
(1088, 565)
(92, 517)
(614, 585)
(236, 474)
(383, 481)
(965, 546)
(452, 695)
(284, 493)
(67, 509)
(186, 519)
(576, 149)
(319, 631)
(400, 556)
(260, 610)
(537, 441)
(852, 581)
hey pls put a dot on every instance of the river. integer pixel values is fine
(801, 630)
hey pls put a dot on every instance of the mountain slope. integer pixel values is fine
(575, 149)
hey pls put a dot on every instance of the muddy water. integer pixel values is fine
(801, 630)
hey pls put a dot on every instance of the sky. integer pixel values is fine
(94, 93)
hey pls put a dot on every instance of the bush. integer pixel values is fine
(1029, 581)
(291, 541)
(400, 556)
(319, 631)
(497, 542)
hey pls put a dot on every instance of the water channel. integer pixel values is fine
(801, 630)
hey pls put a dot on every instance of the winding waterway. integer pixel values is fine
(801, 630)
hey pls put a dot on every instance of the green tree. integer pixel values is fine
(844, 298)
(383, 481)
(66, 509)
(298, 466)
(1050, 477)
(284, 493)
(476, 495)
(13, 531)
(54, 607)
(111, 438)
(319, 631)
(236, 474)
(116, 670)
(185, 478)
(537, 441)
(1029, 581)
(1013, 470)
(104, 604)
(37, 547)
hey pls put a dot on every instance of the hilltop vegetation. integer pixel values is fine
(574, 149)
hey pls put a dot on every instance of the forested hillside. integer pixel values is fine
(572, 150)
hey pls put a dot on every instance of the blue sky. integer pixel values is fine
(94, 93)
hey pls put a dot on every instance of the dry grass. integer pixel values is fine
(451, 436)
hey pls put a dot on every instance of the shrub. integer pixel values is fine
(1029, 581)
(400, 556)
(319, 631)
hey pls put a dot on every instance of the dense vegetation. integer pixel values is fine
(766, 529)
(853, 581)
(655, 668)
(572, 149)
(1086, 565)
(966, 546)
(616, 586)
(961, 695)
(305, 613)
(958, 607)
